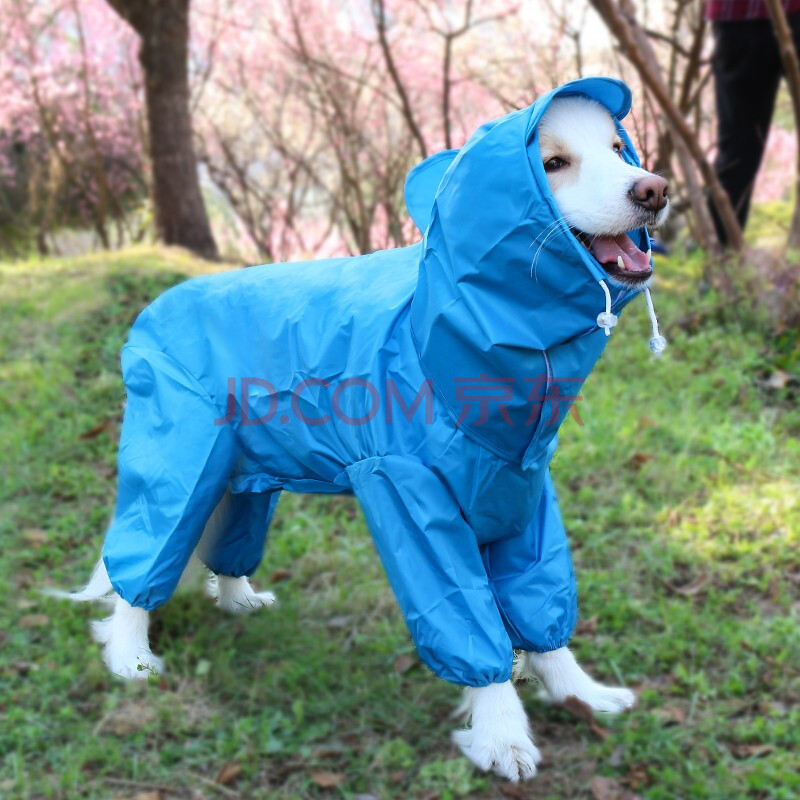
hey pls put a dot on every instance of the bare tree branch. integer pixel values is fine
(619, 17)
(791, 68)
(379, 13)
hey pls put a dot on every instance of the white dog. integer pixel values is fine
(601, 197)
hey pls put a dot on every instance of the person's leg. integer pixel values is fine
(747, 71)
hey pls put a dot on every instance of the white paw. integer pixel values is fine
(562, 677)
(499, 737)
(237, 596)
(123, 657)
(608, 699)
(604, 699)
(511, 755)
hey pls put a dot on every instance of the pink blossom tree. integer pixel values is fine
(71, 131)
(306, 114)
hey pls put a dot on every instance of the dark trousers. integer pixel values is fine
(747, 70)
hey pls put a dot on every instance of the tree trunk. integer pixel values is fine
(163, 29)
(791, 68)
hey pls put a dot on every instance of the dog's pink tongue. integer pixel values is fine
(609, 249)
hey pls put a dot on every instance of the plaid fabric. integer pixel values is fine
(740, 10)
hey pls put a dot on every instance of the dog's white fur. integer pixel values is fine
(593, 194)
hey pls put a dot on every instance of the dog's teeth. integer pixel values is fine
(620, 263)
(649, 253)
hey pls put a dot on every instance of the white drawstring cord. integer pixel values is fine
(605, 319)
(658, 343)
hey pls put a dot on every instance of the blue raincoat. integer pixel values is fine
(430, 381)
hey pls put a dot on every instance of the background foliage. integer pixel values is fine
(307, 115)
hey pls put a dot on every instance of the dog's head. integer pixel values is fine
(598, 193)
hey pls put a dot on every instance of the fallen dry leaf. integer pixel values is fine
(327, 780)
(35, 536)
(671, 715)
(779, 379)
(279, 575)
(228, 773)
(515, 790)
(93, 433)
(127, 718)
(403, 664)
(603, 788)
(155, 794)
(638, 460)
(342, 621)
(583, 711)
(34, 621)
(688, 589)
(587, 626)
(638, 775)
(751, 750)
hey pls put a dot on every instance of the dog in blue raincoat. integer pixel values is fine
(429, 381)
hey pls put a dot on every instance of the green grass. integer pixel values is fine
(681, 492)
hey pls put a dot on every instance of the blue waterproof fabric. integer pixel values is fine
(429, 380)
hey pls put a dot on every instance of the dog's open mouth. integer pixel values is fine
(619, 256)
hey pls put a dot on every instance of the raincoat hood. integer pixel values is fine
(497, 291)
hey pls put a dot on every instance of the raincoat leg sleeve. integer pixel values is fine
(434, 565)
(235, 546)
(174, 464)
(533, 579)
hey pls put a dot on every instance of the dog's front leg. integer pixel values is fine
(434, 564)
(499, 737)
(126, 649)
(561, 676)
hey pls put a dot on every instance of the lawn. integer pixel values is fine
(681, 492)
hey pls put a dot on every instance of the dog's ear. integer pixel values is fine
(421, 185)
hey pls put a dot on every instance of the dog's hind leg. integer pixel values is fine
(562, 677)
(175, 459)
(237, 596)
(126, 649)
(232, 547)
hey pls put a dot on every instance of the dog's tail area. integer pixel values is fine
(98, 588)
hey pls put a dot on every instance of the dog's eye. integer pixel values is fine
(618, 148)
(552, 164)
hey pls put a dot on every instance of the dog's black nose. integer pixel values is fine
(651, 192)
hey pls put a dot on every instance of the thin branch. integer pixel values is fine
(379, 13)
(791, 68)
